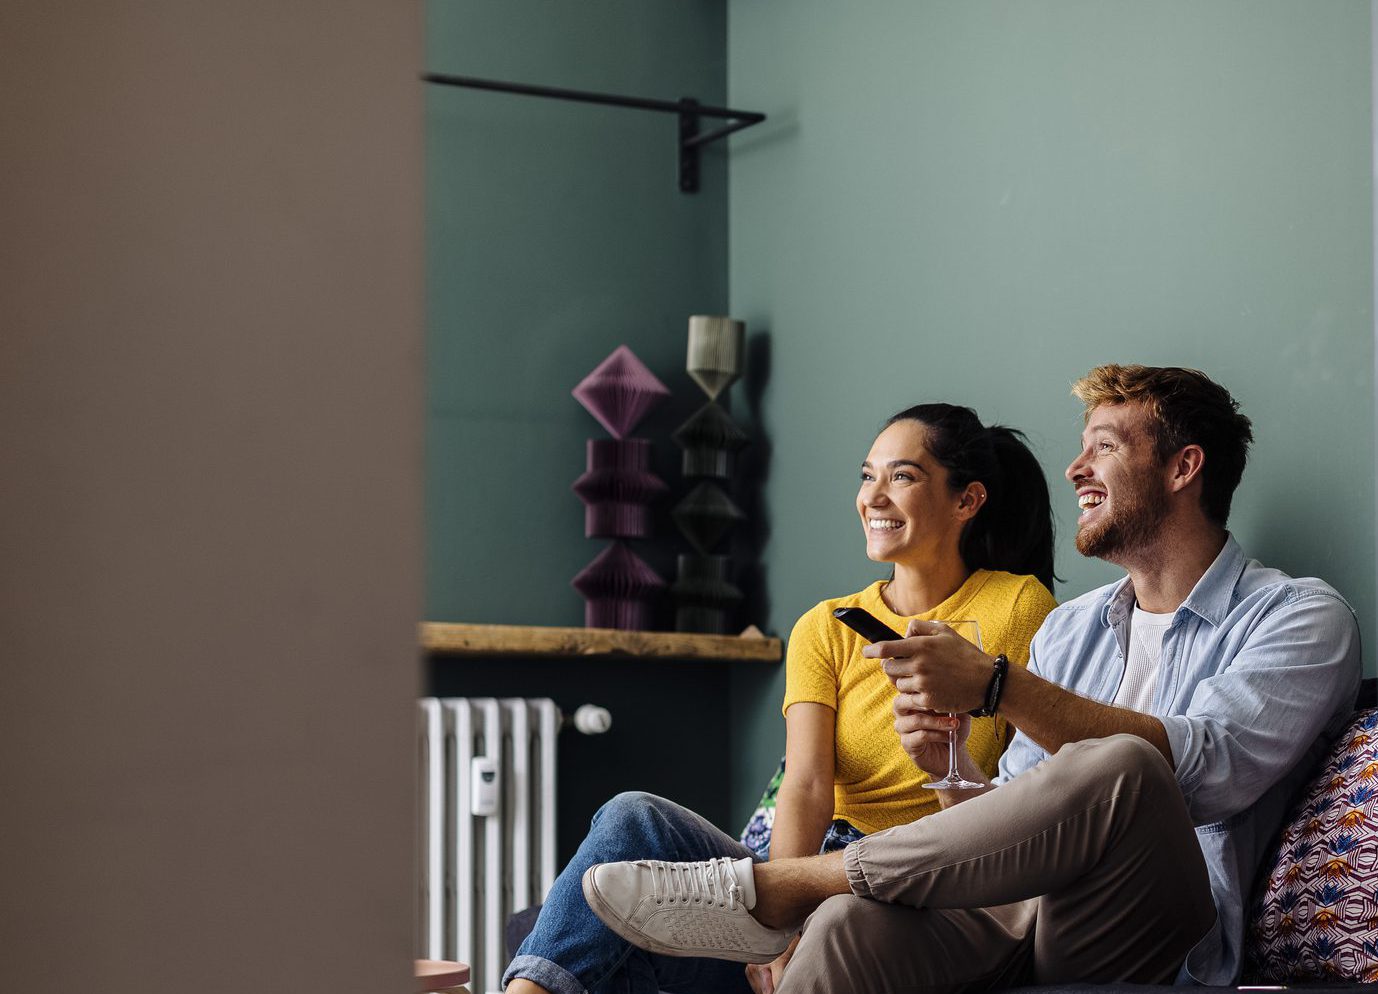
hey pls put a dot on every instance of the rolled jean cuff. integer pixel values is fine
(540, 970)
(851, 863)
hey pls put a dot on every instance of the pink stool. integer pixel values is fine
(438, 976)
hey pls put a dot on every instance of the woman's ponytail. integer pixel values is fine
(1014, 532)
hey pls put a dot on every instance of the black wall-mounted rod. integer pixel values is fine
(688, 109)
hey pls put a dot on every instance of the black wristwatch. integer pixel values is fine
(994, 688)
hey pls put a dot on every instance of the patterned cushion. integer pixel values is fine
(756, 834)
(1316, 914)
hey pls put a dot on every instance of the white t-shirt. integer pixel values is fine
(1145, 660)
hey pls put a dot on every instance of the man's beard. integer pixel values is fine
(1133, 523)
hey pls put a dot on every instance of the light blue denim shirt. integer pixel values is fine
(1259, 672)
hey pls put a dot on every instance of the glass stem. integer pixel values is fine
(952, 753)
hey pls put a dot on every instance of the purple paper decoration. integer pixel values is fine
(617, 487)
(617, 587)
(704, 595)
(620, 391)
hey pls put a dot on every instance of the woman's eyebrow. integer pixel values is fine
(897, 462)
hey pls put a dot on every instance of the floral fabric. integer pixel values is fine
(1316, 915)
(756, 835)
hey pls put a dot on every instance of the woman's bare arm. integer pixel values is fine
(804, 806)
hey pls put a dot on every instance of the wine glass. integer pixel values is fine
(970, 631)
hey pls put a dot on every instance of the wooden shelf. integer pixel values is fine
(529, 640)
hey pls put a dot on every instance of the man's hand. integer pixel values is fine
(764, 978)
(935, 668)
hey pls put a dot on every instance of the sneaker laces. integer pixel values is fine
(713, 881)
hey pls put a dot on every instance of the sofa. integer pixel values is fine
(1315, 909)
(1314, 918)
(1313, 923)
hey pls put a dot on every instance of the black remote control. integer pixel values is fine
(866, 624)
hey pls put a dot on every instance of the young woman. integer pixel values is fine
(962, 512)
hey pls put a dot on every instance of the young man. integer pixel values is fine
(1163, 723)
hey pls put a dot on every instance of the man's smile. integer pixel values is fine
(1089, 500)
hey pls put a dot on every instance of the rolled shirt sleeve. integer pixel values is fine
(1023, 753)
(1249, 724)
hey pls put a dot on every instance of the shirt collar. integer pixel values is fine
(1209, 599)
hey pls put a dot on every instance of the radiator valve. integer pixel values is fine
(591, 719)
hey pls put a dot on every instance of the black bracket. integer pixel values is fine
(688, 109)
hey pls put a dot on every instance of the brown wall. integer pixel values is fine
(210, 478)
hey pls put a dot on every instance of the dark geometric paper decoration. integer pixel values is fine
(617, 588)
(617, 487)
(715, 352)
(620, 391)
(703, 594)
(709, 439)
(705, 515)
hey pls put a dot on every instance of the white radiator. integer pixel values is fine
(487, 824)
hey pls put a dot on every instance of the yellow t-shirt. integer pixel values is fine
(876, 785)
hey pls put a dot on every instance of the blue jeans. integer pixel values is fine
(570, 951)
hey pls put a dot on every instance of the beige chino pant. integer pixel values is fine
(1085, 869)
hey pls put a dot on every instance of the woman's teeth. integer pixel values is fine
(1089, 500)
(884, 525)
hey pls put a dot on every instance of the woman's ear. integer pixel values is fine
(972, 500)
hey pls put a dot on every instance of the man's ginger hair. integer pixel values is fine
(1185, 407)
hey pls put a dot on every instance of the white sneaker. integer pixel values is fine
(684, 909)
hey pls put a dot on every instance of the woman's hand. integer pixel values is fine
(934, 670)
(764, 978)
(923, 734)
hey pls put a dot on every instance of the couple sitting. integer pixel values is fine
(1159, 728)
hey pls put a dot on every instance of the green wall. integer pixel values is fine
(979, 201)
(556, 232)
(971, 201)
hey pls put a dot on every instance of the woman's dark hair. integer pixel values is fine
(1014, 531)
